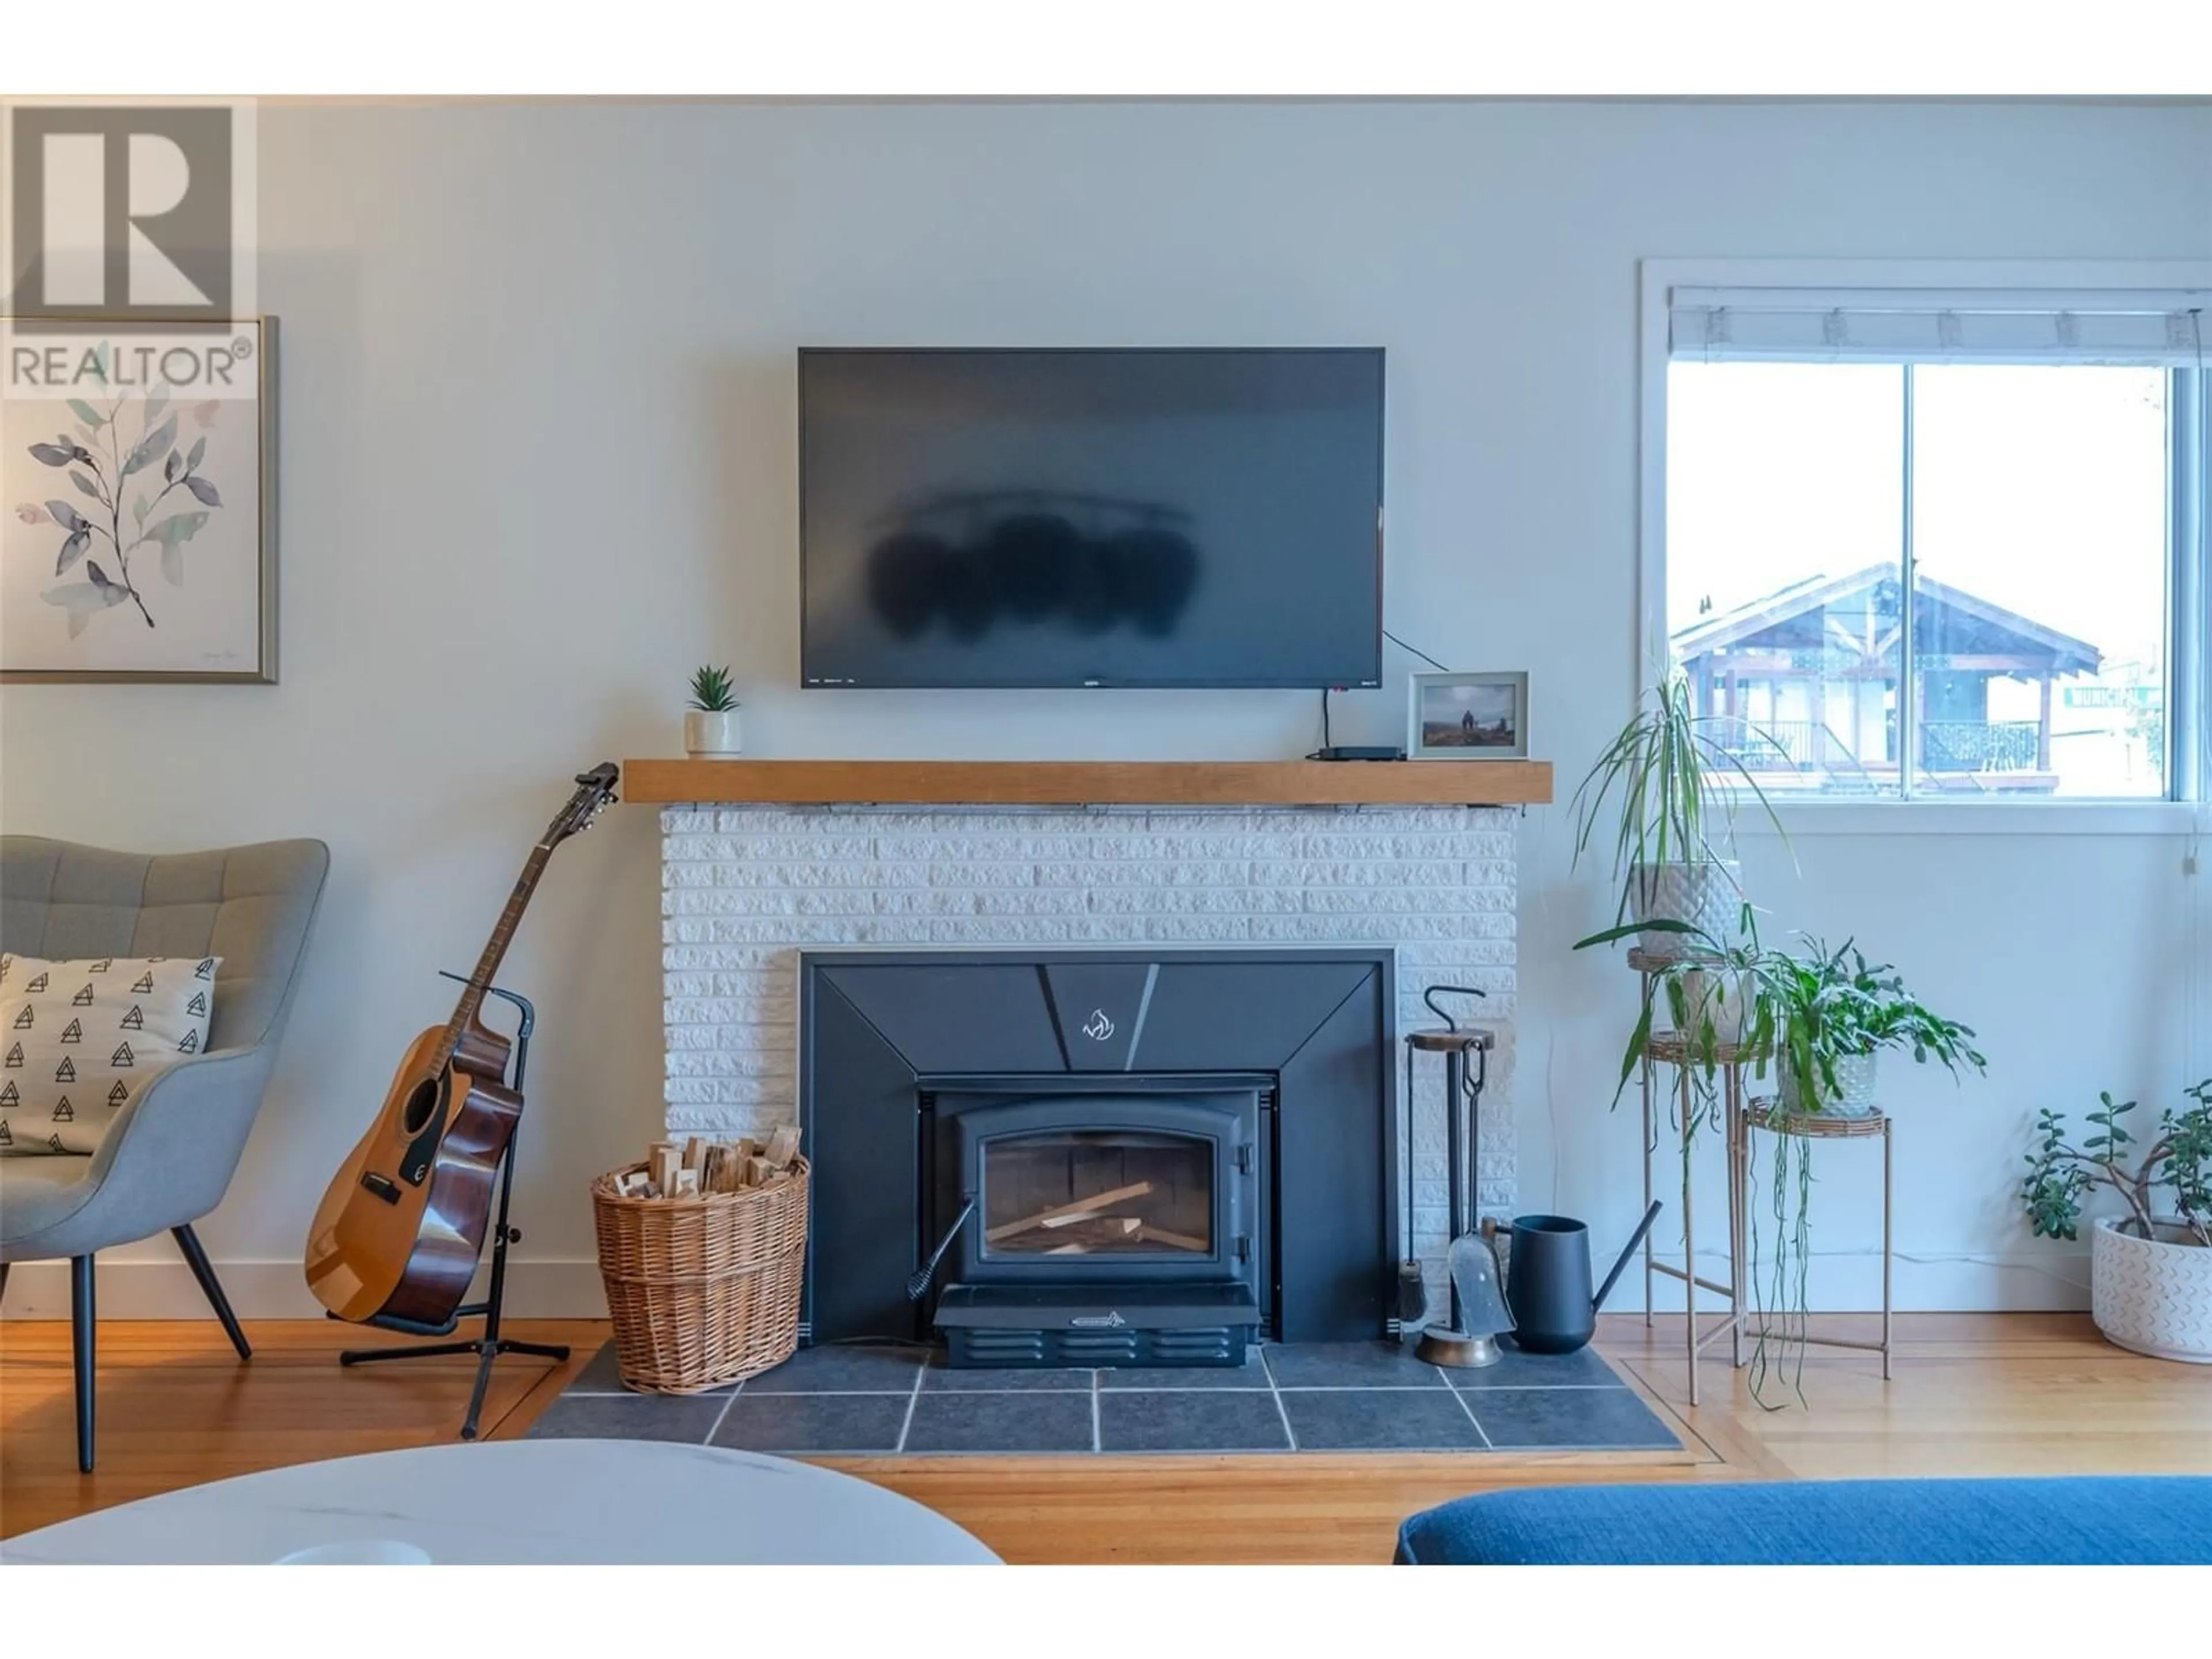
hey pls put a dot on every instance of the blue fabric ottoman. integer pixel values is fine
(2131, 1520)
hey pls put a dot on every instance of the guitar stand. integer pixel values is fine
(489, 1346)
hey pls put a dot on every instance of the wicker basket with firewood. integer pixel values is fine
(702, 1248)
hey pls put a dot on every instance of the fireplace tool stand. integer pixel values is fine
(1478, 1311)
(489, 1346)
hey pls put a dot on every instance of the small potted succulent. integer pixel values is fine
(1833, 1014)
(710, 724)
(1673, 782)
(2150, 1270)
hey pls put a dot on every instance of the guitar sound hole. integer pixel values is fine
(420, 1106)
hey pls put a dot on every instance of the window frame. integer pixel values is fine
(2189, 681)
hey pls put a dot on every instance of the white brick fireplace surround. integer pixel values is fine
(744, 888)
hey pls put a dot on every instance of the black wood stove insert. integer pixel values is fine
(1118, 1220)
(1170, 1152)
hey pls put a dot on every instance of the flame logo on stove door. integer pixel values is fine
(1098, 1027)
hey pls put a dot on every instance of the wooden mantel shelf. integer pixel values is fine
(1091, 783)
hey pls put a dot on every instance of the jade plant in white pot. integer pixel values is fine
(1667, 788)
(2150, 1270)
(710, 724)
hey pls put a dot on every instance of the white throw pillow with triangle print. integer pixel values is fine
(80, 1040)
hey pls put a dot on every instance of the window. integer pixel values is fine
(2029, 469)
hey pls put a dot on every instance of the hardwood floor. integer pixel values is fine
(1999, 1394)
(178, 1407)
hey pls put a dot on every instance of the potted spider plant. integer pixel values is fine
(1667, 788)
(710, 724)
(2150, 1270)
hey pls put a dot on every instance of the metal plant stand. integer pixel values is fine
(489, 1346)
(1670, 1049)
(1740, 1115)
(1816, 1126)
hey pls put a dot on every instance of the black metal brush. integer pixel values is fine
(1413, 1296)
(918, 1286)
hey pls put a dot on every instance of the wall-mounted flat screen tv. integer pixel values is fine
(1092, 517)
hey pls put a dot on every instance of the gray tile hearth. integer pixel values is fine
(1556, 1419)
(689, 1416)
(1582, 1368)
(941, 1378)
(1370, 1419)
(1190, 1419)
(1034, 1421)
(843, 1371)
(601, 1376)
(858, 1401)
(1348, 1365)
(820, 1423)
(1177, 1378)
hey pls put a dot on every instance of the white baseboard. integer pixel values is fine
(2056, 1278)
(274, 1290)
(1850, 1282)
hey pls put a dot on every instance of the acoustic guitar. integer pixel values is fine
(398, 1234)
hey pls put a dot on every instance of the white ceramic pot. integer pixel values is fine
(712, 733)
(1718, 996)
(1707, 895)
(1855, 1078)
(2152, 1295)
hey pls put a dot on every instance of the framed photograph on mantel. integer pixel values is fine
(1468, 717)
(138, 500)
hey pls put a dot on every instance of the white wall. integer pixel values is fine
(538, 460)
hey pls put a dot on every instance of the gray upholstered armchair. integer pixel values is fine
(171, 1152)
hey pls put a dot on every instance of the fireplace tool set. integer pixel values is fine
(1544, 1299)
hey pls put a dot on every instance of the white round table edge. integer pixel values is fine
(525, 1502)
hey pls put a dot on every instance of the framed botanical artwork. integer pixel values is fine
(138, 500)
(1468, 717)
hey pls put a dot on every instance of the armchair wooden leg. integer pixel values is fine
(80, 1331)
(202, 1270)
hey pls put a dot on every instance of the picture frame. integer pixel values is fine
(138, 517)
(1468, 717)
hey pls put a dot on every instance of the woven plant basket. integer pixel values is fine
(702, 1291)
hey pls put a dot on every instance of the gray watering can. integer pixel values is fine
(1548, 1280)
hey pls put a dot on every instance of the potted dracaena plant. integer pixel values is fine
(710, 724)
(2150, 1270)
(1669, 785)
(1672, 784)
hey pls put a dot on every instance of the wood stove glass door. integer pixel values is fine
(1064, 1194)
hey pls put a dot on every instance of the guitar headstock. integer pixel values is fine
(595, 792)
